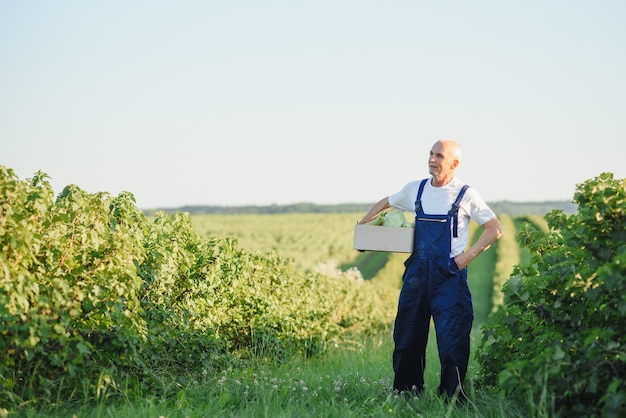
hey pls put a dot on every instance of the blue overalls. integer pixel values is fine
(433, 286)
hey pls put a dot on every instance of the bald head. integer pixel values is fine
(445, 156)
(451, 147)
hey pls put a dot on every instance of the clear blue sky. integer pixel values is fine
(277, 102)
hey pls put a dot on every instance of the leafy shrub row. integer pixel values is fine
(558, 344)
(94, 294)
(507, 257)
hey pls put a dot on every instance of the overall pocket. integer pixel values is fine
(416, 270)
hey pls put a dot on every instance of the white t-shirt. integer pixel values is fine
(439, 200)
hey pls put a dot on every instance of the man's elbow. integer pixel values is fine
(496, 228)
(499, 233)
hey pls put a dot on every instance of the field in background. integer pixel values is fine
(318, 240)
(307, 239)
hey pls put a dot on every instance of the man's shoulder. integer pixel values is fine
(458, 183)
(414, 184)
(471, 194)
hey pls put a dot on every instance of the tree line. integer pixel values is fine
(508, 207)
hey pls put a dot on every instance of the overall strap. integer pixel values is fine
(454, 211)
(418, 200)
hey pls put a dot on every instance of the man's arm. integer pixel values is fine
(380, 206)
(492, 231)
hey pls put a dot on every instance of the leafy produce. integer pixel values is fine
(394, 218)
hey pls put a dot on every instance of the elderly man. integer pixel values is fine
(435, 276)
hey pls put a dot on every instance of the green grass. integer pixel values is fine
(352, 380)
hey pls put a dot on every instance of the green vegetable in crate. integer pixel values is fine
(394, 218)
(377, 221)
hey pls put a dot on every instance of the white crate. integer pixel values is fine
(383, 238)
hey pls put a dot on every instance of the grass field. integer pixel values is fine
(353, 380)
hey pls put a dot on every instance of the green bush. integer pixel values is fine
(94, 298)
(68, 289)
(558, 342)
